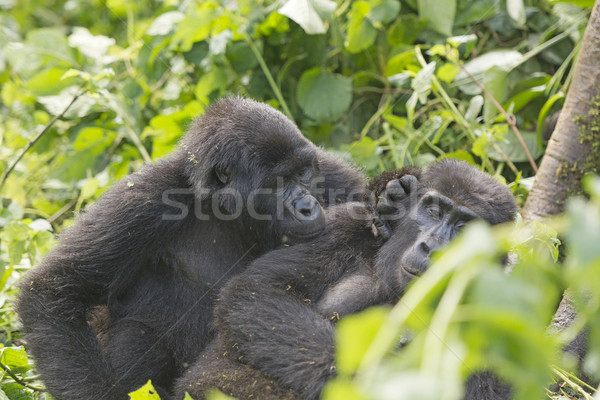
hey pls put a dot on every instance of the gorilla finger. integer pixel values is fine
(409, 183)
(385, 207)
(394, 190)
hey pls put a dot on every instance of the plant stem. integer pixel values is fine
(37, 137)
(269, 76)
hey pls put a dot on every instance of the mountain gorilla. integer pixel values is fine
(155, 248)
(275, 321)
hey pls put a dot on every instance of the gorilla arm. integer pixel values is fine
(267, 312)
(95, 259)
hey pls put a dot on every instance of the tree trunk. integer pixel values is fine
(574, 147)
(573, 150)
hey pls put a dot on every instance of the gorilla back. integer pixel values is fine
(152, 251)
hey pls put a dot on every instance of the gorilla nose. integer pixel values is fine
(307, 208)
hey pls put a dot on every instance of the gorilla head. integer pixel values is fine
(449, 194)
(257, 168)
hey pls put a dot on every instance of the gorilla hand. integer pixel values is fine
(388, 205)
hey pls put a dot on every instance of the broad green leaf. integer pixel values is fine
(324, 96)
(406, 60)
(461, 155)
(15, 231)
(365, 152)
(495, 83)
(405, 29)
(383, 11)
(479, 147)
(477, 11)
(361, 33)
(49, 81)
(439, 14)
(90, 137)
(447, 72)
(511, 146)
(309, 14)
(146, 392)
(89, 188)
(354, 335)
(503, 59)
(196, 26)
(215, 80)
(14, 357)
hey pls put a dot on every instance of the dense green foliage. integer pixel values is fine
(383, 82)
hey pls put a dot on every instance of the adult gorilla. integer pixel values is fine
(278, 316)
(155, 248)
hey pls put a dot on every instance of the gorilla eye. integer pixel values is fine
(434, 211)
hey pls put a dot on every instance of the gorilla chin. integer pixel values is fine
(306, 228)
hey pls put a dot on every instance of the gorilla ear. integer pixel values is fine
(223, 173)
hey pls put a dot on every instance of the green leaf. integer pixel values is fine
(89, 188)
(361, 33)
(364, 152)
(447, 72)
(383, 11)
(511, 146)
(146, 392)
(49, 81)
(309, 14)
(342, 389)
(477, 11)
(439, 14)
(14, 357)
(497, 87)
(406, 29)
(354, 335)
(324, 96)
(15, 231)
(214, 394)
(215, 80)
(516, 11)
(480, 145)
(503, 59)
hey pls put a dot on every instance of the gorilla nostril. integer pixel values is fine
(426, 249)
(307, 206)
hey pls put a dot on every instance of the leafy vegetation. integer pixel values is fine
(90, 90)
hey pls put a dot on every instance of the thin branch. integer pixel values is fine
(37, 137)
(510, 119)
(269, 76)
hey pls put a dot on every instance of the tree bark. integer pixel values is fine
(570, 153)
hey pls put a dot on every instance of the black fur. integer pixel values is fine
(278, 316)
(142, 274)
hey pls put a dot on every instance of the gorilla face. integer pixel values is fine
(439, 220)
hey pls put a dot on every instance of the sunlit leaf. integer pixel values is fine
(324, 96)
(309, 14)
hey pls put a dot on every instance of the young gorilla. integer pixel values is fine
(153, 251)
(276, 317)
